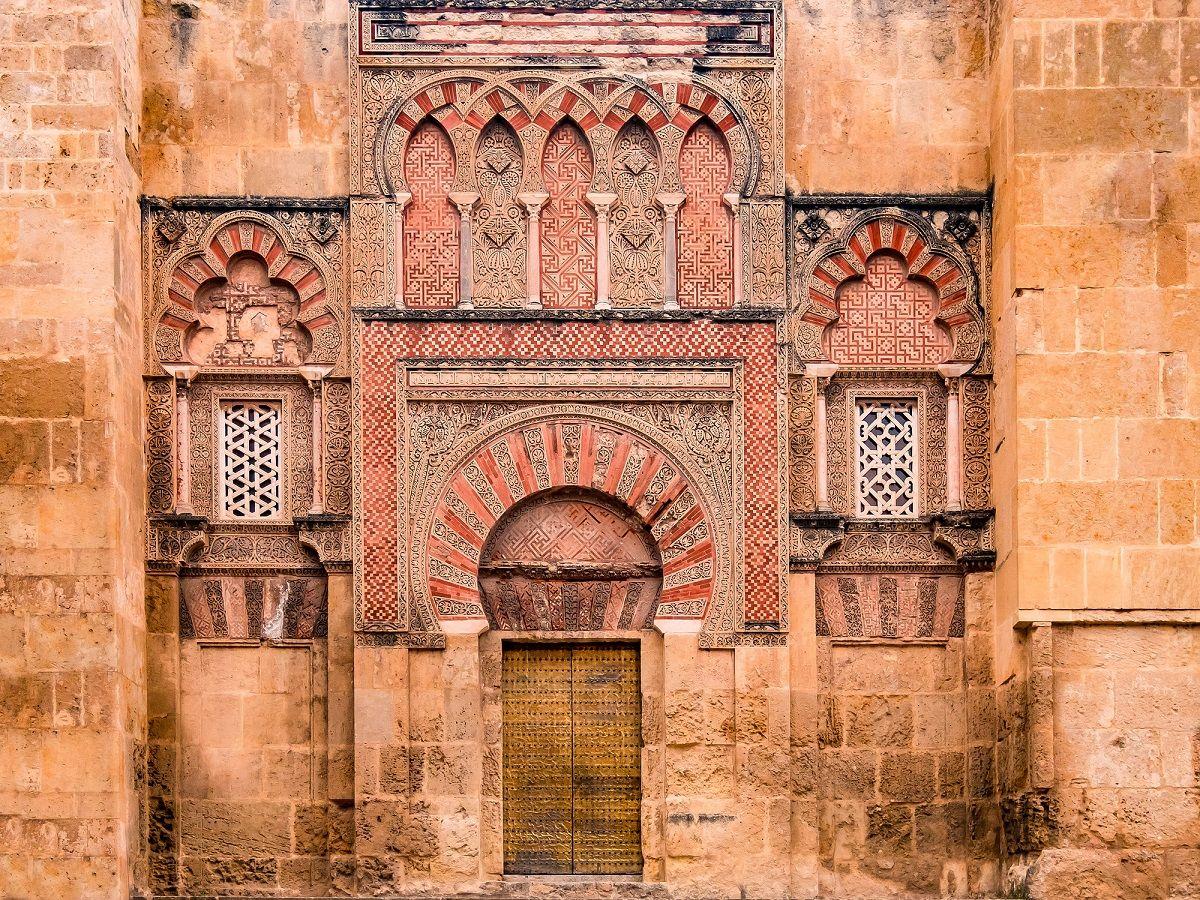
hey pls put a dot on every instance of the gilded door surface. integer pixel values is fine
(572, 760)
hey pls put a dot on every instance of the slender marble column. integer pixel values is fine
(464, 201)
(952, 373)
(315, 376)
(402, 201)
(533, 257)
(821, 373)
(603, 204)
(670, 204)
(953, 447)
(183, 375)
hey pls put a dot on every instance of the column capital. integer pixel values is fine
(601, 201)
(733, 200)
(314, 375)
(533, 202)
(464, 200)
(402, 199)
(184, 372)
(670, 202)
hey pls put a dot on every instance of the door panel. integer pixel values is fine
(572, 760)
(536, 685)
(608, 755)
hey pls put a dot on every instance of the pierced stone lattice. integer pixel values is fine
(886, 319)
(886, 432)
(499, 238)
(705, 226)
(431, 223)
(568, 223)
(251, 465)
(637, 230)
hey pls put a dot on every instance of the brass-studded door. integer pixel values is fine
(572, 760)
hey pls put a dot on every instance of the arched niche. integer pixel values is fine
(568, 221)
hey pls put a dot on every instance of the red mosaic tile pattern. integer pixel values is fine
(754, 344)
(568, 222)
(705, 222)
(886, 319)
(573, 453)
(430, 221)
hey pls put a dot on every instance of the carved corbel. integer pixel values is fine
(173, 540)
(328, 537)
(533, 259)
(602, 202)
(968, 535)
(813, 535)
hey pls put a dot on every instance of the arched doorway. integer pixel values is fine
(574, 561)
(570, 559)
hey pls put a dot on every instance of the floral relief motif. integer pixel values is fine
(637, 228)
(498, 235)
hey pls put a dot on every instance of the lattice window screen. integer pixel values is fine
(886, 441)
(251, 460)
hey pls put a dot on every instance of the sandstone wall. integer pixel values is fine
(886, 97)
(245, 97)
(1093, 148)
(72, 721)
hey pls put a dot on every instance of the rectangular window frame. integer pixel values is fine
(221, 460)
(858, 401)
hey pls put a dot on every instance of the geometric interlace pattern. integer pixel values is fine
(886, 319)
(705, 223)
(568, 223)
(886, 438)
(578, 532)
(251, 461)
(430, 222)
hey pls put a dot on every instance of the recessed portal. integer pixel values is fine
(572, 759)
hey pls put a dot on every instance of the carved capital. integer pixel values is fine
(464, 201)
(533, 203)
(670, 203)
(601, 202)
(328, 536)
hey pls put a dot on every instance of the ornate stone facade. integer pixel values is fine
(549, 471)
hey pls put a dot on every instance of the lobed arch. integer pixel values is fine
(926, 258)
(526, 456)
(464, 104)
(228, 240)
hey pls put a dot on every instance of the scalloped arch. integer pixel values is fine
(236, 234)
(926, 256)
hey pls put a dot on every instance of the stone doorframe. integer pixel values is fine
(653, 782)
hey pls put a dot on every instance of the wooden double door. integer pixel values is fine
(572, 759)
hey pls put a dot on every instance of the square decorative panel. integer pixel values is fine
(251, 460)
(886, 458)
